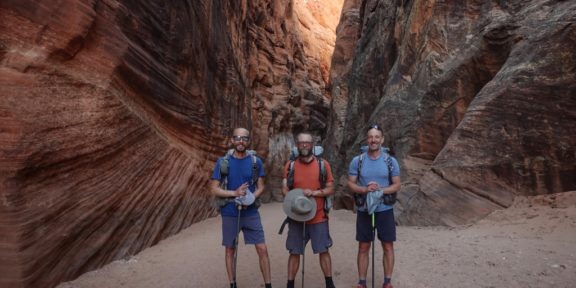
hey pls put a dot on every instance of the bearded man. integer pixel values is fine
(305, 175)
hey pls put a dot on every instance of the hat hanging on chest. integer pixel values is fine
(299, 207)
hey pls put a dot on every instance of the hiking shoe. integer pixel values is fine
(387, 285)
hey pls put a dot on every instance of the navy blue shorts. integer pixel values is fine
(319, 233)
(251, 227)
(385, 226)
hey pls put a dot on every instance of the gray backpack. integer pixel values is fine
(317, 151)
(388, 199)
(220, 202)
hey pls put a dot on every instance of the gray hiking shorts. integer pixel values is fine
(318, 233)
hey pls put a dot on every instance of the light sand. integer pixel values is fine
(532, 244)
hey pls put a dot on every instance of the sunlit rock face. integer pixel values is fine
(112, 114)
(477, 99)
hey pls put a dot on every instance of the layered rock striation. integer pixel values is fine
(112, 114)
(477, 99)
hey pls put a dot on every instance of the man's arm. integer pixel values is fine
(324, 192)
(353, 185)
(329, 184)
(259, 187)
(219, 192)
(395, 187)
(285, 186)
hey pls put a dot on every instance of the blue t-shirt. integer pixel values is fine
(374, 170)
(239, 172)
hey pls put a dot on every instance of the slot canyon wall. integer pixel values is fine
(477, 100)
(112, 114)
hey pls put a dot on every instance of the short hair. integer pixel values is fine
(375, 126)
(240, 128)
(304, 133)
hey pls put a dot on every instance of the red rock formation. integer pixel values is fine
(342, 59)
(112, 114)
(477, 100)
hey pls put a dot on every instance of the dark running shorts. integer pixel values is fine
(251, 227)
(319, 233)
(384, 225)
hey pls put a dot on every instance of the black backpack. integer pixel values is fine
(388, 199)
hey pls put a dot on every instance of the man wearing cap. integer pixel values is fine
(304, 205)
(372, 180)
(239, 182)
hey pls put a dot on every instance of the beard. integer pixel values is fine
(374, 147)
(240, 148)
(304, 152)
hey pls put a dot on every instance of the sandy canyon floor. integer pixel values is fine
(531, 244)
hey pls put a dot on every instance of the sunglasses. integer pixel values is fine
(374, 126)
(241, 138)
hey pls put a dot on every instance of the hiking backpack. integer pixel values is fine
(388, 199)
(323, 175)
(225, 165)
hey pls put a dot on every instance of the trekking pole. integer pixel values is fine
(236, 243)
(373, 238)
(304, 250)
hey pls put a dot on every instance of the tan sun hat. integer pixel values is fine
(299, 207)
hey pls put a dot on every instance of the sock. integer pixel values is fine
(233, 285)
(362, 282)
(387, 280)
(290, 284)
(268, 285)
(329, 282)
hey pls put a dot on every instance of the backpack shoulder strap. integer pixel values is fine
(224, 167)
(360, 159)
(255, 175)
(388, 160)
(290, 178)
(323, 174)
